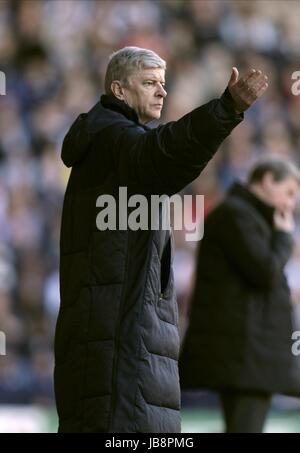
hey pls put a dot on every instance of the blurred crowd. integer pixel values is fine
(54, 55)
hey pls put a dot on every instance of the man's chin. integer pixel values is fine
(156, 115)
(153, 116)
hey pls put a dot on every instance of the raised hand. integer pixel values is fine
(246, 90)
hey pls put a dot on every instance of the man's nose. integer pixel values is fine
(161, 91)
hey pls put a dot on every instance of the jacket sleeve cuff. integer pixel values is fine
(225, 109)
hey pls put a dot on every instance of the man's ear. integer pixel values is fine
(117, 90)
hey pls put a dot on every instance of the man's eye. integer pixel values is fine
(151, 83)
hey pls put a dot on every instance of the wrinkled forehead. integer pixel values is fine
(150, 73)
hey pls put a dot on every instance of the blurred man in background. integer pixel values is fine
(239, 339)
(117, 342)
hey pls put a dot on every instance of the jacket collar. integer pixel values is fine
(242, 191)
(112, 103)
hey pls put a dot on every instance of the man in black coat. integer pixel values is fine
(239, 341)
(116, 342)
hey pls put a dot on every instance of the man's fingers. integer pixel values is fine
(243, 80)
(256, 81)
(249, 74)
(262, 90)
(251, 78)
(249, 91)
(257, 87)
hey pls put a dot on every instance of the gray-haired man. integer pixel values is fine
(116, 344)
